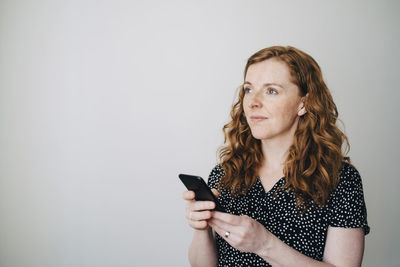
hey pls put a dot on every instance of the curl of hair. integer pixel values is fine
(315, 158)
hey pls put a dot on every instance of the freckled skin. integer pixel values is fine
(269, 92)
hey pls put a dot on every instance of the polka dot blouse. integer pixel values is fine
(276, 210)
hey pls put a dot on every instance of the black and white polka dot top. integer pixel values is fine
(276, 210)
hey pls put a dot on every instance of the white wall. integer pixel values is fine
(103, 103)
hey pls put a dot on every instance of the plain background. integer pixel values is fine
(103, 103)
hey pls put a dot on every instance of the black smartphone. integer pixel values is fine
(201, 189)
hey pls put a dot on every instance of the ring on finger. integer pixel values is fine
(227, 233)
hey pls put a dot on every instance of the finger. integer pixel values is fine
(231, 238)
(188, 195)
(199, 216)
(222, 224)
(215, 192)
(200, 225)
(202, 205)
(228, 218)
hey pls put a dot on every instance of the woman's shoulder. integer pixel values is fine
(215, 176)
(349, 174)
(349, 180)
(347, 204)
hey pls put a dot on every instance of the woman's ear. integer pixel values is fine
(302, 106)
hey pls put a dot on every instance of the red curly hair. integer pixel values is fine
(314, 160)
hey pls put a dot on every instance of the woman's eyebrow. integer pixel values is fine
(265, 84)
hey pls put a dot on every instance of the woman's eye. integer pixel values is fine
(272, 91)
(247, 90)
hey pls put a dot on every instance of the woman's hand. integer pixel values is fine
(198, 212)
(241, 232)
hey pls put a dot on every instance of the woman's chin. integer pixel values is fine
(259, 136)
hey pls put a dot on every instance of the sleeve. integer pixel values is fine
(347, 205)
(215, 176)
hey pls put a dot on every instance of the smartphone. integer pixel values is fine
(201, 189)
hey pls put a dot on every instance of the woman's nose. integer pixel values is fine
(255, 101)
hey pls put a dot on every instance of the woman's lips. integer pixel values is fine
(257, 118)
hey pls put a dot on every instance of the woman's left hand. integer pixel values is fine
(241, 232)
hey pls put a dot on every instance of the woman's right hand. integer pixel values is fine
(198, 212)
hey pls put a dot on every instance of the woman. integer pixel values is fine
(292, 198)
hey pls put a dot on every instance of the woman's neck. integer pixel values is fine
(275, 153)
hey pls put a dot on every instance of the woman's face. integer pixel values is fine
(272, 103)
